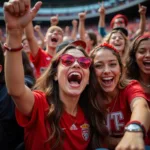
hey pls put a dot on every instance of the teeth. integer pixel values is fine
(109, 78)
(75, 73)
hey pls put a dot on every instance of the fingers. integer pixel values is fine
(16, 7)
(142, 9)
(35, 9)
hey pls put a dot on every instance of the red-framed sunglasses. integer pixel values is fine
(68, 60)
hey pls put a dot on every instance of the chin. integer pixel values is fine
(74, 93)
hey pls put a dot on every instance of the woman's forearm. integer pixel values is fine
(14, 73)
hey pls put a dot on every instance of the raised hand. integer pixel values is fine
(142, 9)
(17, 13)
(101, 10)
(74, 23)
(54, 20)
(82, 16)
(37, 28)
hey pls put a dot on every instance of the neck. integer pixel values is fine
(51, 51)
(70, 103)
(112, 96)
(145, 80)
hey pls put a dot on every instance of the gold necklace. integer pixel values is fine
(111, 109)
(114, 104)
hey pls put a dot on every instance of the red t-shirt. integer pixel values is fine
(40, 61)
(77, 129)
(120, 111)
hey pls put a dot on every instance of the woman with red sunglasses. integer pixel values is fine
(55, 115)
(128, 111)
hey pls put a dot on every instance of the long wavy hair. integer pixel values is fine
(126, 48)
(87, 102)
(133, 70)
(28, 69)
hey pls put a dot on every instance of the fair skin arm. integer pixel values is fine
(142, 24)
(16, 20)
(101, 11)
(138, 142)
(74, 29)
(29, 31)
(37, 28)
(81, 28)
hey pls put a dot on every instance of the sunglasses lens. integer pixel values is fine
(84, 62)
(67, 60)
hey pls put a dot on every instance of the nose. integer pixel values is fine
(55, 32)
(76, 64)
(117, 38)
(148, 53)
(106, 70)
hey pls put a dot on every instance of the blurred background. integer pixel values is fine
(67, 10)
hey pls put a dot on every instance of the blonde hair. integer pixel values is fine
(126, 48)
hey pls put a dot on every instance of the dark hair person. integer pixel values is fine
(56, 115)
(138, 65)
(123, 99)
(10, 133)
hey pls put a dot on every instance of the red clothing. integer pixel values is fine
(40, 61)
(120, 112)
(77, 129)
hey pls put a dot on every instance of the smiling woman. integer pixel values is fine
(123, 99)
(56, 114)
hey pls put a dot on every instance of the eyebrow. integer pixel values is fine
(108, 61)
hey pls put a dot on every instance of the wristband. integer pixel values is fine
(13, 49)
(136, 122)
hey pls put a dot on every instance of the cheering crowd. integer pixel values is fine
(73, 92)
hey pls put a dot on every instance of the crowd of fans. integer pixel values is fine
(74, 88)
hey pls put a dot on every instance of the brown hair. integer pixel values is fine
(132, 66)
(87, 101)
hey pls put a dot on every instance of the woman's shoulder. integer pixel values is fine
(133, 83)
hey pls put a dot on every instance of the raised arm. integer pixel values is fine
(142, 24)
(37, 28)
(74, 29)
(140, 113)
(101, 23)
(33, 44)
(16, 19)
(81, 28)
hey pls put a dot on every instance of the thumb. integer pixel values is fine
(139, 6)
(35, 9)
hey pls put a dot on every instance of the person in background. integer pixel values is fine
(138, 65)
(123, 99)
(11, 134)
(121, 20)
(53, 115)
(118, 38)
(39, 57)
(41, 42)
(89, 37)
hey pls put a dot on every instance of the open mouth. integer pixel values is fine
(54, 40)
(107, 81)
(146, 64)
(74, 78)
